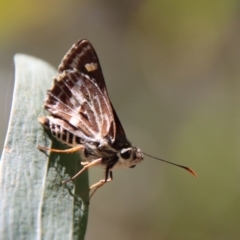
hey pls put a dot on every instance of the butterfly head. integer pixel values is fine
(131, 156)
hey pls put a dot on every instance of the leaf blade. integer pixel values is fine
(26, 176)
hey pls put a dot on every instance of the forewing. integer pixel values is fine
(120, 136)
(83, 57)
(79, 101)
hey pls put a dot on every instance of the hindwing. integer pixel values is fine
(76, 99)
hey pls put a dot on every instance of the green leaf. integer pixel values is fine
(34, 204)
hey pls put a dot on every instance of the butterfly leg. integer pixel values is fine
(70, 150)
(91, 164)
(99, 184)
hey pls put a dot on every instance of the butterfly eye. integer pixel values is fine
(125, 153)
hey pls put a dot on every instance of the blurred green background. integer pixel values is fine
(172, 71)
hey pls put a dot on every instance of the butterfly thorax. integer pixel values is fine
(112, 158)
(126, 157)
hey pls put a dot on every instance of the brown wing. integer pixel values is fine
(83, 58)
(76, 99)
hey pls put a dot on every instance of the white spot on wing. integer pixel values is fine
(91, 67)
(73, 121)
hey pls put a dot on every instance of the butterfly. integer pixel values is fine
(83, 117)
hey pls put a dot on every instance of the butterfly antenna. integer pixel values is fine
(181, 166)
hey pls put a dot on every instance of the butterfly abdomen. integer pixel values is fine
(59, 132)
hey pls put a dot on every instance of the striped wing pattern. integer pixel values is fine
(79, 55)
(79, 98)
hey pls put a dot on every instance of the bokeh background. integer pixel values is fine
(173, 73)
